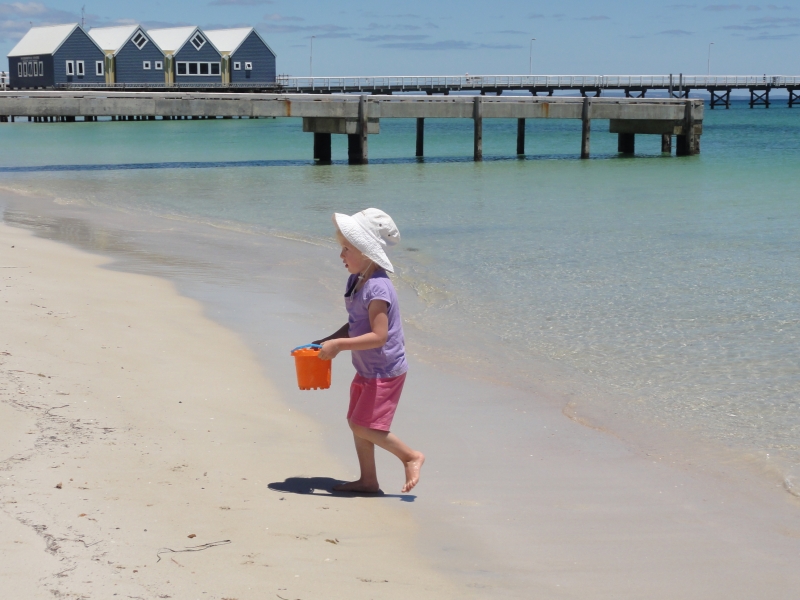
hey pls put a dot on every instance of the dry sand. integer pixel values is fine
(131, 424)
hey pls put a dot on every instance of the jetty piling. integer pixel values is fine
(359, 116)
(586, 129)
(477, 117)
(420, 137)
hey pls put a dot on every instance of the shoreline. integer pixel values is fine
(585, 474)
(142, 425)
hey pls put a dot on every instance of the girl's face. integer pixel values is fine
(353, 260)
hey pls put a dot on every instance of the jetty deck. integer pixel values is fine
(359, 116)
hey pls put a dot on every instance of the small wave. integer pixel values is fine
(792, 485)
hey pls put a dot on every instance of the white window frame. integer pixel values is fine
(188, 65)
(41, 68)
(70, 67)
(159, 65)
(35, 65)
(25, 68)
(140, 36)
(237, 66)
(80, 68)
(19, 69)
(99, 68)
(198, 41)
(146, 64)
(248, 66)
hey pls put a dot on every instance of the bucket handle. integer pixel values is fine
(306, 346)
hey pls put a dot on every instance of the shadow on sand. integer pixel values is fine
(323, 486)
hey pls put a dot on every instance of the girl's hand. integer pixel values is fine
(329, 350)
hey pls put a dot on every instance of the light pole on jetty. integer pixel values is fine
(311, 58)
(708, 72)
(530, 58)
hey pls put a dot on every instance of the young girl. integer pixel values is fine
(374, 335)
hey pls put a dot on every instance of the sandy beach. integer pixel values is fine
(133, 426)
(134, 416)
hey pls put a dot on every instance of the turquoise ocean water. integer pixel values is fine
(659, 288)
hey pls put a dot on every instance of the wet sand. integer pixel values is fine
(517, 499)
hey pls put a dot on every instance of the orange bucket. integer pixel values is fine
(313, 373)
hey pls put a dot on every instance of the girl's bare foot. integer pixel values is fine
(361, 487)
(413, 468)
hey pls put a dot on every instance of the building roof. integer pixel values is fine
(172, 39)
(227, 41)
(43, 40)
(111, 39)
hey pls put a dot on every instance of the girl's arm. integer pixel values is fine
(379, 323)
(342, 332)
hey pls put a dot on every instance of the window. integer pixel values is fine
(35, 68)
(41, 69)
(198, 41)
(19, 69)
(248, 66)
(203, 69)
(79, 68)
(24, 69)
(237, 66)
(146, 65)
(159, 65)
(139, 40)
(70, 68)
(98, 68)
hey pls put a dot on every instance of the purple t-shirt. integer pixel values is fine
(390, 359)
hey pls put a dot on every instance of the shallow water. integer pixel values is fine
(660, 288)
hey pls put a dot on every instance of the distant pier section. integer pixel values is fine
(633, 86)
(358, 116)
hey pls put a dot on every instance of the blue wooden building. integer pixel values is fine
(55, 55)
(190, 56)
(247, 58)
(131, 56)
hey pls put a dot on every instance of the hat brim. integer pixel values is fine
(362, 240)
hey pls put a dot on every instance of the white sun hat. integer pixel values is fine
(370, 231)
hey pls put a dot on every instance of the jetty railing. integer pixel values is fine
(523, 82)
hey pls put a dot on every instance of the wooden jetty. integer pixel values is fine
(359, 116)
(719, 87)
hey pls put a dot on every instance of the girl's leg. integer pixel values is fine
(411, 459)
(368, 482)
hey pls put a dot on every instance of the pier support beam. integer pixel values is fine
(719, 98)
(626, 143)
(794, 97)
(520, 137)
(586, 130)
(420, 137)
(666, 143)
(687, 144)
(759, 97)
(322, 147)
(357, 142)
(477, 117)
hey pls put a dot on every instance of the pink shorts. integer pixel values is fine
(373, 401)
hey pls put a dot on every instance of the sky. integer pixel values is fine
(445, 37)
